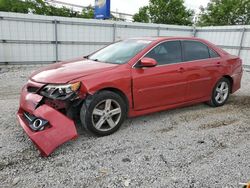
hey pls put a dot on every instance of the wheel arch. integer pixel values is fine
(230, 80)
(120, 93)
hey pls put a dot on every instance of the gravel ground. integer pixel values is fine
(196, 146)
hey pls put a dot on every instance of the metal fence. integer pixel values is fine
(45, 39)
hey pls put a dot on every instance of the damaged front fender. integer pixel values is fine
(58, 130)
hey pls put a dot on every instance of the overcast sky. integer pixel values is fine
(132, 6)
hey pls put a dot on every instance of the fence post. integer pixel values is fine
(158, 31)
(194, 31)
(241, 40)
(4, 46)
(56, 40)
(114, 32)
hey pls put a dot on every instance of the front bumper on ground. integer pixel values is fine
(57, 131)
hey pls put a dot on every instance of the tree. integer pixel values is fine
(225, 12)
(88, 12)
(14, 6)
(142, 15)
(165, 12)
(43, 8)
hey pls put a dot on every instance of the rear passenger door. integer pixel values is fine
(201, 68)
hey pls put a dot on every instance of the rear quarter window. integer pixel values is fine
(213, 54)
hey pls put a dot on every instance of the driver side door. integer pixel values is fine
(164, 84)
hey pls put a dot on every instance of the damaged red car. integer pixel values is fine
(128, 78)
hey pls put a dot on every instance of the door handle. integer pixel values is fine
(181, 69)
(218, 64)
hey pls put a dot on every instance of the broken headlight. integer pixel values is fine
(61, 92)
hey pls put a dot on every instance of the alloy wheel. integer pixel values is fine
(106, 115)
(222, 92)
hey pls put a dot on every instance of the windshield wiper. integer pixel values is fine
(86, 56)
(97, 60)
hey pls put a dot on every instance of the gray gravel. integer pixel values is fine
(196, 146)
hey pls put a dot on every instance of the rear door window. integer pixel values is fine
(195, 50)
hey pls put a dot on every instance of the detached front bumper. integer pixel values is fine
(58, 129)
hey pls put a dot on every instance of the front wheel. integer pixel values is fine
(104, 113)
(220, 93)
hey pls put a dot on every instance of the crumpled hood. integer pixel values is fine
(66, 71)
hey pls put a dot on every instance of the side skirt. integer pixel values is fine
(135, 113)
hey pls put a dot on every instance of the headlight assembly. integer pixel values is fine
(61, 92)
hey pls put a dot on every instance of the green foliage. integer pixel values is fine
(142, 15)
(88, 13)
(225, 12)
(43, 8)
(14, 6)
(165, 12)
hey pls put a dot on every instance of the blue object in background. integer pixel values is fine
(102, 9)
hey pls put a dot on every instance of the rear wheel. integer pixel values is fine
(104, 113)
(220, 93)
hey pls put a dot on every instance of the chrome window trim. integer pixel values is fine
(133, 66)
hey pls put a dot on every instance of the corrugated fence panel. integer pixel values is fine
(246, 42)
(175, 33)
(84, 33)
(129, 30)
(72, 51)
(245, 53)
(27, 52)
(81, 38)
(246, 57)
(232, 51)
(35, 38)
(171, 30)
(123, 33)
(20, 30)
(2, 53)
(220, 35)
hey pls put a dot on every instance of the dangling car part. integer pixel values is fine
(45, 126)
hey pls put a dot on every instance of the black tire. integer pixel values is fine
(213, 102)
(90, 104)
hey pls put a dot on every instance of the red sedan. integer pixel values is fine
(129, 78)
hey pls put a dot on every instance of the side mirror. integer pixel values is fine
(147, 62)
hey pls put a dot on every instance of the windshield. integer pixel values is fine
(120, 52)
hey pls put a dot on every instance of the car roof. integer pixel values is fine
(161, 38)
